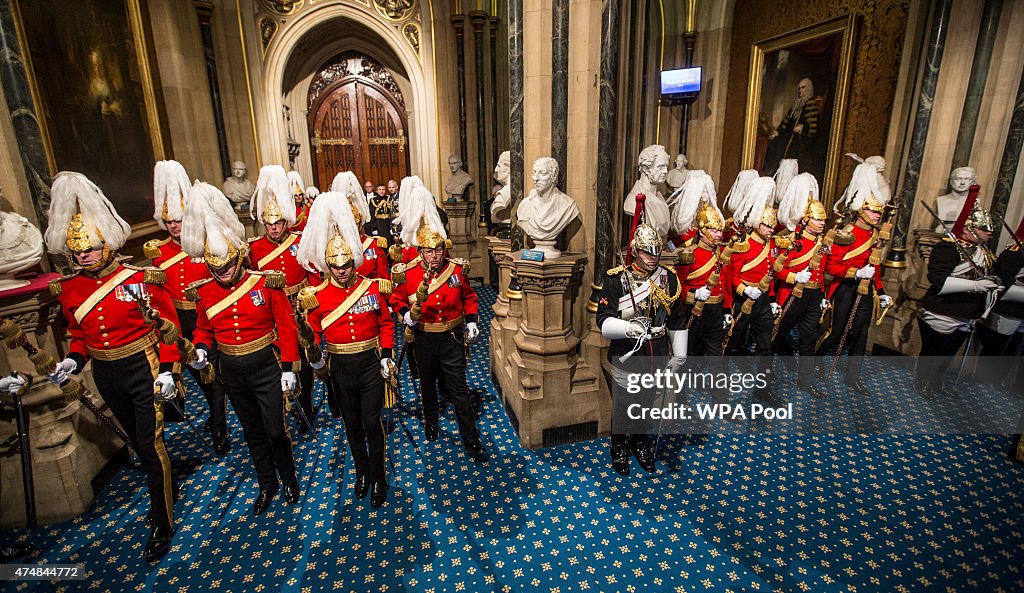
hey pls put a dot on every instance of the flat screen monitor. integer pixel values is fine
(681, 82)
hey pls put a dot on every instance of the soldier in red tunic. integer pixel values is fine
(302, 201)
(375, 256)
(436, 302)
(106, 324)
(247, 316)
(272, 205)
(799, 283)
(171, 188)
(353, 315)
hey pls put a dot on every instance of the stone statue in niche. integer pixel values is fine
(21, 248)
(653, 163)
(948, 206)
(238, 188)
(455, 187)
(677, 177)
(546, 212)
(501, 207)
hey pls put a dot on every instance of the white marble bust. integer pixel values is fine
(546, 212)
(456, 185)
(238, 188)
(677, 177)
(653, 170)
(21, 248)
(501, 207)
(948, 206)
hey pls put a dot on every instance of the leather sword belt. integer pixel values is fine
(444, 326)
(355, 347)
(249, 347)
(125, 351)
(293, 290)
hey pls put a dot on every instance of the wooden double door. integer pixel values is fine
(356, 125)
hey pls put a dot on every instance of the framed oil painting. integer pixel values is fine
(796, 101)
(95, 96)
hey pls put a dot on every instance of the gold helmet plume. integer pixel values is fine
(82, 218)
(210, 228)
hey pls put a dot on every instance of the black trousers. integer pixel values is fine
(707, 332)
(937, 352)
(998, 354)
(442, 354)
(253, 384)
(213, 392)
(756, 327)
(805, 315)
(359, 389)
(843, 299)
(127, 387)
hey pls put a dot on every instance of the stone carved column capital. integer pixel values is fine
(459, 22)
(478, 18)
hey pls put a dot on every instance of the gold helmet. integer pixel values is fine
(272, 201)
(646, 238)
(83, 219)
(338, 253)
(769, 217)
(210, 229)
(427, 237)
(871, 203)
(980, 219)
(710, 217)
(815, 209)
(331, 237)
(78, 239)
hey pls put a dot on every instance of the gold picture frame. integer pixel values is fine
(93, 83)
(809, 126)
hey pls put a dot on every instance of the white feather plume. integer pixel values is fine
(210, 219)
(171, 187)
(788, 169)
(416, 207)
(72, 193)
(330, 215)
(794, 201)
(735, 199)
(347, 184)
(698, 188)
(866, 180)
(312, 192)
(273, 184)
(295, 180)
(760, 194)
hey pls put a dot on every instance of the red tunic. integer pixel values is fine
(301, 217)
(748, 268)
(253, 312)
(695, 275)
(296, 277)
(114, 321)
(845, 260)
(448, 300)
(798, 260)
(367, 318)
(181, 269)
(375, 260)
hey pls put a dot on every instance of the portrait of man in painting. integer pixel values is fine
(90, 82)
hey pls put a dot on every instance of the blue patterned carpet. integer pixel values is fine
(725, 513)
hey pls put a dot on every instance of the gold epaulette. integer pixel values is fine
(192, 291)
(307, 296)
(56, 288)
(152, 247)
(272, 278)
(844, 236)
(382, 242)
(395, 252)
(784, 241)
(685, 257)
(616, 270)
(741, 246)
(461, 262)
(150, 275)
(385, 286)
(253, 239)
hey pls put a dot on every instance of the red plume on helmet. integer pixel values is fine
(638, 216)
(965, 212)
(1020, 231)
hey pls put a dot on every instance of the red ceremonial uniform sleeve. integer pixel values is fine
(726, 280)
(287, 330)
(733, 270)
(834, 264)
(382, 263)
(77, 350)
(400, 297)
(315, 318)
(203, 335)
(470, 305)
(385, 323)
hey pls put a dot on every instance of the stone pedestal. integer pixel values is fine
(462, 226)
(594, 351)
(483, 247)
(69, 445)
(500, 250)
(554, 388)
(252, 227)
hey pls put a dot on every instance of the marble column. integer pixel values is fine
(24, 119)
(560, 85)
(496, 92)
(459, 23)
(478, 18)
(1008, 164)
(515, 112)
(897, 255)
(607, 125)
(204, 9)
(628, 155)
(976, 84)
(500, 250)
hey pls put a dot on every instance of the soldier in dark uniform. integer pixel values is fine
(1002, 334)
(961, 292)
(107, 326)
(249, 318)
(352, 313)
(171, 188)
(272, 206)
(434, 300)
(640, 310)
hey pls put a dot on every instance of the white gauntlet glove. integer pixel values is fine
(804, 277)
(407, 319)
(702, 294)
(201, 361)
(385, 367)
(726, 320)
(752, 292)
(472, 331)
(12, 385)
(287, 381)
(614, 328)
(884, 301)
(824, 304)
(680, 343)
(163, 387)
(867, 272)
(62, 371)
(775, 309)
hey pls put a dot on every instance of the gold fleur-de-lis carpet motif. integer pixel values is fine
(726, 512)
